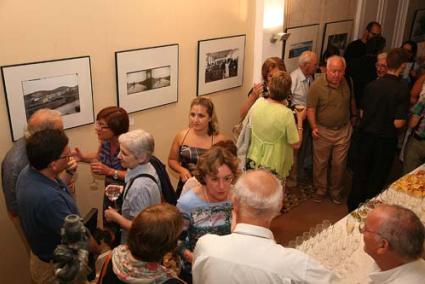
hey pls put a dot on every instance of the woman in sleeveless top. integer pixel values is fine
(274, 133)
(192, 142)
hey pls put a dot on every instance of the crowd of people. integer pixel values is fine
(331, 114)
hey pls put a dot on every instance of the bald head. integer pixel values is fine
(401, 228)
(43, 119)
(258, 193)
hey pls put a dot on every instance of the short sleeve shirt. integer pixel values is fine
(384, 101)
(332, 105)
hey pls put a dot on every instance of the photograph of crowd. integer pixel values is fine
(221, 65)
(149, 79)
(57, 92)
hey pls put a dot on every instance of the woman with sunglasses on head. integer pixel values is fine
(192, 142)
(206, 208)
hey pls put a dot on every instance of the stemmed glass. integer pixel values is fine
(113, 191)
(93, 184)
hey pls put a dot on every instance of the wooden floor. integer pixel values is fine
(300, 219)
(288, 226)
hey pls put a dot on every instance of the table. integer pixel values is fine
(341, 251)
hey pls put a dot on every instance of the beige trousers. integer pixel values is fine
(330, 149)
(42, 272)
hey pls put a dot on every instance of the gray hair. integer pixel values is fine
(306, 57)
(42, 119)
(403, 230)
(139, 142)
(382, 55)
(335, 57)
(260, 195)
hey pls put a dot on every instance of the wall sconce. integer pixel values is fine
(279, 37)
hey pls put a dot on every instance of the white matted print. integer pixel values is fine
(301, 39)
(147, 77)
(63, 85)
(220, 64)
(337, 34)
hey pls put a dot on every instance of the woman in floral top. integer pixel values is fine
(207, 208)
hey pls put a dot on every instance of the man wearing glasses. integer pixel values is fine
(394, 237)
(43, 199)
(357, 48)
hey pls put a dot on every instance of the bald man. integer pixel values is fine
(394, 237)
(16, 158)
(250, 254)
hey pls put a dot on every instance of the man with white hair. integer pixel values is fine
(330, 107)
(381, 65)
(16, 158)
(394, 237)
(250, 254)
(302, 77)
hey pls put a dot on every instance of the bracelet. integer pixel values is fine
(71, 173)
(300, 128)
(115, 175)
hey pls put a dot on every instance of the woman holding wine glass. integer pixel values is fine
(111, 122)
(142, 182)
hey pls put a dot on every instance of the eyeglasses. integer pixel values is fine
(67, 156)
(362, 229)
(375, 34)
(226, 179)
(99, 126)
(381, 66)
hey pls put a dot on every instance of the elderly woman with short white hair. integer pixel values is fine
(142, 187)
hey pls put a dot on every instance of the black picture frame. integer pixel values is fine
(220, 64)
(147, 77)
(61, 84)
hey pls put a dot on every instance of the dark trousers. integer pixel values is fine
(371, 168)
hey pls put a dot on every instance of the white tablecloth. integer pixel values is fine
(343, 252)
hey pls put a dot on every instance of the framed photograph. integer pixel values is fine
(220, 64)
(418, 27)
(337, 34)
(63, 85)
(301, 39)
(147, 77)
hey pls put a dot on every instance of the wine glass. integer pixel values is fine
(113, 191)
(93, 184)
(350, 224)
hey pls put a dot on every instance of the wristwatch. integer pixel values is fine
(115, 176)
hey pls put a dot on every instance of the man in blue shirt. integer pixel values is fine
(43, 199)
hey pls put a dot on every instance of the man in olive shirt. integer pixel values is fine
(328, 111)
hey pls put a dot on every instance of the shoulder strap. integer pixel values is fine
(104, 268)
(130, 183)
(184, 137)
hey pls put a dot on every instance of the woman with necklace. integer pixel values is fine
(192, 142)
(207, 207)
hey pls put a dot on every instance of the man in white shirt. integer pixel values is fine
(394, 237)
(250, 254)
(302, 77)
